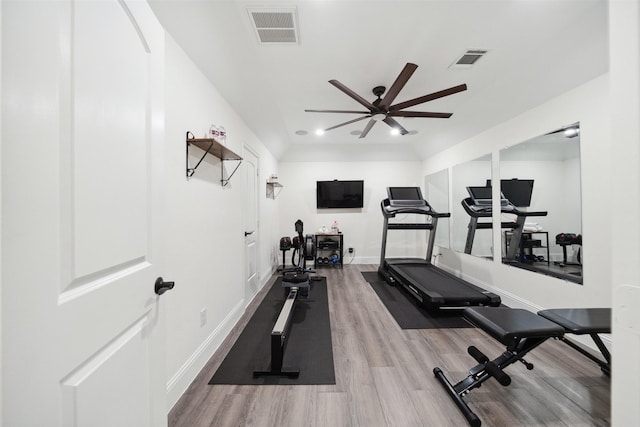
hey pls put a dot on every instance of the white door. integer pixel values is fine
(250, 211)
(81, 142)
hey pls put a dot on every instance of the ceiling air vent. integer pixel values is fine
(275, 26)
(469, 58)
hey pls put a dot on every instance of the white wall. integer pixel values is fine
(362, 228)
(624, 24)
(587, 104)
(204, 229)
(1, 382)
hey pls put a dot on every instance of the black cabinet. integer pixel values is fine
(329, 250)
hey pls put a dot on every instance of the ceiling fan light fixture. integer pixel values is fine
(383, 109)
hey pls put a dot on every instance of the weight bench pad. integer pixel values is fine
(580, 321)
(508, 325)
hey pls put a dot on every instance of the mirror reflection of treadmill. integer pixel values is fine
(519, 192)
(480, 205)
(435, 288)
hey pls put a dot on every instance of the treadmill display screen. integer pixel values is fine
(404, 193)
(480, 195)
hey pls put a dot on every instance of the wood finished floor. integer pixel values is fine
(384, 377)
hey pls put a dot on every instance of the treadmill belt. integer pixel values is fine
(431, 281)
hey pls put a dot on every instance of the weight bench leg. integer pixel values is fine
(604, 366)
(483, 371)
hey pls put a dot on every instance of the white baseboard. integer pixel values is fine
(181, 380)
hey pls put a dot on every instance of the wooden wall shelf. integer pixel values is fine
(271, 189)
(214, 148)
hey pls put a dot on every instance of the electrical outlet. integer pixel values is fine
(350, 250)
(203, 316)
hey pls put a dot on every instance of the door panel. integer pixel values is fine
(86, 339)
(251, 223)
(110, 149)
(91, 391)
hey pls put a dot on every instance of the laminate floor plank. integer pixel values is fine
(384, 377)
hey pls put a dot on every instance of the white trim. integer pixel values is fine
(180, 381)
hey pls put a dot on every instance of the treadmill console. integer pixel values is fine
(405, 196)
(481, 197)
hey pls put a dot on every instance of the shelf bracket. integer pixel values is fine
(224, 181)
(191, 171)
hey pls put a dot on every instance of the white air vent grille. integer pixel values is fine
(469, 58)
(275, 25)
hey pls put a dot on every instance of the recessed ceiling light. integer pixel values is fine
(571, 132)
(395, 131)
(301, 132)
(319, 132)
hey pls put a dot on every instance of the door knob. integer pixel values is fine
(161, 286)
(248, 233)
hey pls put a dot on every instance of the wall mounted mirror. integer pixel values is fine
(542, 176)
(437, 194)
(478, 240)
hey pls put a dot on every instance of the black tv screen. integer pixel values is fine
(339, 194)
(517, 191)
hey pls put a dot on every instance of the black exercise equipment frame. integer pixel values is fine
(484, 370)
(522, 331)
(424, 289)
(279, 338)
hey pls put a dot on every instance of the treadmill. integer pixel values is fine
(435, 288)
(479, 205)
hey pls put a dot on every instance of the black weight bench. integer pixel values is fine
(521, 331)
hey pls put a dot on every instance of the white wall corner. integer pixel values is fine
(181, 380)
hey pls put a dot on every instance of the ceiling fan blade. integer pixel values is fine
(347, 123)
(367, 128)
(397, 86)
(391, 122)
(337, 111)
(352, 94)
(430, 97)
(420, 114)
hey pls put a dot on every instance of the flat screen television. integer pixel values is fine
(518, 191)
(339, 194)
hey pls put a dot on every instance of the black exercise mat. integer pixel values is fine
(407, 310)
(308, 347)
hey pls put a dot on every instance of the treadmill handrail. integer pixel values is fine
(487, 211)
(391, 211)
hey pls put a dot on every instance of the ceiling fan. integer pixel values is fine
(382, 110)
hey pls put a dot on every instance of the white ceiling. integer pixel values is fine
(537, 50)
